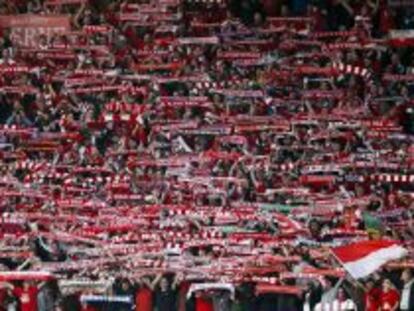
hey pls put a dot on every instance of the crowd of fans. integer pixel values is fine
(176, 155)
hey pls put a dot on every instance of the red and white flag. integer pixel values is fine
(363, 258)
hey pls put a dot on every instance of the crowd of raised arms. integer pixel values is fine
(205, 155)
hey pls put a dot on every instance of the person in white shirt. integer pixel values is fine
(341, 303)
(407, 294)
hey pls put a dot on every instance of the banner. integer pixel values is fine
(401, 38)
(26, 28)
(63, 2)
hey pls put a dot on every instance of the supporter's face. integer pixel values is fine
(88, 16)
(26, 285)
(341, 295)
(395, 59)
(314, 228)
(284, 11)
(125, 285)
(102, 18)
(406, 276)
(386, 285)
(257, 19)
(164, 284)
(328, 285)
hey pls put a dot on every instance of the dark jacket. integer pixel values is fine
(411, 298)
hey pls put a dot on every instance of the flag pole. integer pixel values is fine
(353, 279)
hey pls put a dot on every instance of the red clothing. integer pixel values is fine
(3, 296)
(143, 299)
(27, 298)
(388, 300)
(203, 304)
(386, 21)
(260, 187)
(182, 295)
(371, 300)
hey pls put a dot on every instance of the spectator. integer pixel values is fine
(372, 295)
(341, 302)
(144, 295)
(407, 294)
(26, 295)
(124, 288)
(203, 302)
(48, 297)
(389, 297)
(165, 294)
(174, 137)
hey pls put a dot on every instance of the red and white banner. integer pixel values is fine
(401, 38)
(363, 258)
(64, 2)
(26, 28)
(25, 276)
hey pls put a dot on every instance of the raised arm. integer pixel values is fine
(37, 5)
(177, 279)
(373, 4)
(347, 7)
(155, 282)
(27, 262)
(79, 14)
(6, 285)
(41, 285)
(145, 281)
